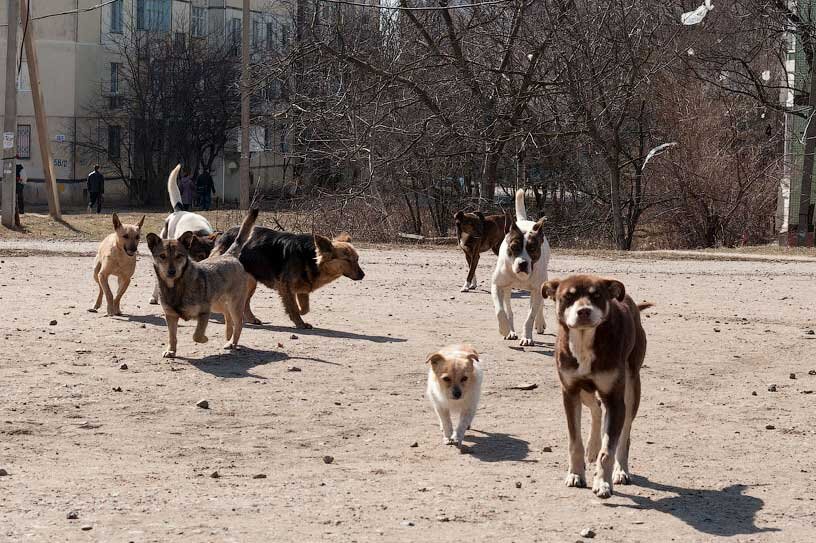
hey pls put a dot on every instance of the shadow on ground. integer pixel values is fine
(238, 364)
(496, 447)
(323, 332)
(727, 512)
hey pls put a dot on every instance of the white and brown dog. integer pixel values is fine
(454, 385)
(522, 264)
(600, 350)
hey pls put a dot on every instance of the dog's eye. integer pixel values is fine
(447, 379)
(464, 378)
(163, 257)
(126, 236)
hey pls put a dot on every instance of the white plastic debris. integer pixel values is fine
(656, 151)
(694, 17)
(766, 75)
(690, 52)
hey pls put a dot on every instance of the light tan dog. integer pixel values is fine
(454, 384)
(116, 256)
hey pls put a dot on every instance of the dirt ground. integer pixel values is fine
(715, 453)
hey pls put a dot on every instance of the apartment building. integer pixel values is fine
(78, 66)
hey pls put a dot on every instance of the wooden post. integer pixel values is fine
(245, 120)
(39, 112)
(9, 191)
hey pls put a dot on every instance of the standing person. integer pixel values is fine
(20, 183)
(96, 188)
(187, 188)
(205, 188)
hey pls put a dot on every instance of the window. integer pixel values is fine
(284, 147)
(284, 37)
(116, 16)
(199, 22)
(24, 140)
(114, 141)
(268, 133)
(114, 78)
(180, 42)
(270, 36)
(235, 36)
(257, 32)
(153, 15)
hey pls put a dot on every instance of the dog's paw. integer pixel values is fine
(153, 301)
(448, 441)
(620, 477)
(200, 339)
(575, 480)
(601, 488)
(511, 335)
(230, 346)
(541, 328)
(465, 287)
(472, 286)
(169, 354)
(305, 326)
(93, 310)
(527, 342)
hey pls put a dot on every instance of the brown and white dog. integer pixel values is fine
(600, 349)
(116, 256)
(454, 386)
(477, 233)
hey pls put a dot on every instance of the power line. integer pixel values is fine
(71, 12)
(417, 8)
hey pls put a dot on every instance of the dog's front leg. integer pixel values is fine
(572, 408)
(199, 335)
(249, 316)
(103, 282)
(445, 424)
(465, 419)
(536, 300)
(291, 307)
(123, 285)
(234, 312)
(471, 278)
(303, 302)
(615, 408)
(469, 259)
(172, 329)
(594, 444)
(154, 298)
(503, 312)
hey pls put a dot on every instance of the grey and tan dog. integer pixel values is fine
(116, 256)
(192, 290)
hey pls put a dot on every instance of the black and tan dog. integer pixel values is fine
(191, 290)
(293, 264)
(600, 350)
(478, 233)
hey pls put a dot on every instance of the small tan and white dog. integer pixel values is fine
(116, 256)
(454, 385)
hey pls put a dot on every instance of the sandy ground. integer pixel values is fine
(716, 454)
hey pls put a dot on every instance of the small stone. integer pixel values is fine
(772, 388)
(716, 329)
(770, 427)
(123, 366)
(414, 445)
(407, 523)
(87, 527)
(518, 484)
(546, 449)
(293, 368)
(3, 472)
(293, 336)
(143, 325)
(215, 475)
(524, 386)
(53, 323)
(792, 376)
(587, 533)
(812, 372)
(810, 333)
(280, 345)
(442, 518)
(259, 476)
(203, 404)
(72, 515)
(117, 389)
(328, 459)
(753, 393)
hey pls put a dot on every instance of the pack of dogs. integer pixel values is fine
(600, 341)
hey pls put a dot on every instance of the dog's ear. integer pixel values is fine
(214, 236)
(186, 239)
(343, 237)
(153, 241)
(434, 359)
(459, 216)
(549, 288)
(616, 289)
(140, 223)
(480, 215)
(538, 228)
(117, 224)
(471, 358)
(509, 223)
(323, 245)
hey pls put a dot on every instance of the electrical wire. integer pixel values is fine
(69, 12)
(417, 8)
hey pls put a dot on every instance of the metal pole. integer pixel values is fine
(39, 112)
(10, 117)
(244, 186)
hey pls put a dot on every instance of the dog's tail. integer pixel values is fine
(644, 305)
(173, 190)
(243, 233)
(521, 209)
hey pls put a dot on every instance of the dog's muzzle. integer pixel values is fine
(171, 272)
(456, 392)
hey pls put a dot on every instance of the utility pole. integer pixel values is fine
(807, 166)
(39, 112)
(10, 118)
(244, 186)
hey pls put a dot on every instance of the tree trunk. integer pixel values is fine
(615, 198)
(807, 166)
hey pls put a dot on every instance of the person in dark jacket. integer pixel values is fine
(21, 180)
(96, 188)
(205, 187)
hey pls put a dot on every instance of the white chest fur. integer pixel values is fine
(580, 344)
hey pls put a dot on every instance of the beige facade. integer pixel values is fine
(75, 65)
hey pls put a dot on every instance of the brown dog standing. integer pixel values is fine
(116, 256)
(478, 233)
(600, 349)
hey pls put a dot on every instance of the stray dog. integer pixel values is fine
(523, 258)
(478, 233)
(600, 349)
(454, 384)
(179, 222)
(116, 256)
(293, 264)
(191, 290)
